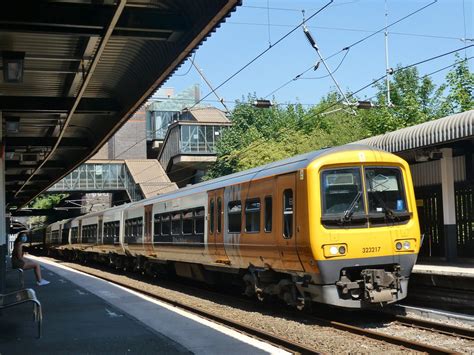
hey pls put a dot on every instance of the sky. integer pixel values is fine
(439, 28)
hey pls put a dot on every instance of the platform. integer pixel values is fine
(445, 269)
(86, 315)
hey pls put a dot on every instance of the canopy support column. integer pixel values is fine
(449, 206)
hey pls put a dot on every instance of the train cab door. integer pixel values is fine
(285, 206)
(148, 237)
(215, 227)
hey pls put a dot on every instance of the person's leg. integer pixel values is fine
(32, 265)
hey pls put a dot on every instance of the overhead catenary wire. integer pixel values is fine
(352, 94)
(346, 48)
(265, 51)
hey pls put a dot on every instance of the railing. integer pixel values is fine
(99, 177)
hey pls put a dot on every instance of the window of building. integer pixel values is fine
(252, 215)
(288, 213)
(234, 216)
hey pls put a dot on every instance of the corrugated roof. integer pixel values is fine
(208, 114)
(443, 130)
(150, 177)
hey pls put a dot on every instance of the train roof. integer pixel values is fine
(276, 168)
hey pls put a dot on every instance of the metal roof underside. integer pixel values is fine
(438, 132)
(88, 66)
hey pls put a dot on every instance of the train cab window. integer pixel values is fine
(234, 216)
(288, 207)
(199, 220)
(188, 222)
(211, 217)
(385, 194)
(176, 223)
(342, 192)
(252, 215)
(268, 214)
(165, 224)
(219, 214)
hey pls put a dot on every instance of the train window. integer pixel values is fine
(385, 190)
(188, 222)
(234, 216)
(199, 220)
(219, 214)
(211, 218)
(288, 213)
(342, 191)
(139, 227)
(268, 214)
(252, 215)
(156, 228)
(165, 224)
(176, 223)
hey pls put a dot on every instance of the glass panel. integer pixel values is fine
(199, 220)
(288, 213)
(385, 190)
(234, 215)
(219, 214)
(211, 217)
(165, 224)
(252, 215)
(268, 214)
(176, 223)
(188, 222)
(342, 191)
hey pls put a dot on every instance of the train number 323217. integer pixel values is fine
(370, 250)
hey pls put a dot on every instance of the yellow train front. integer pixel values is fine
(362, 228)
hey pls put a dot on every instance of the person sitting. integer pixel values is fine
(18, 262)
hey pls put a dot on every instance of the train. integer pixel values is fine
(337, 226)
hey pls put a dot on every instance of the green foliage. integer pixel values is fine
(461, 84)
(44, 202)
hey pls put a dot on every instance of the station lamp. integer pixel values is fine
(13, 66)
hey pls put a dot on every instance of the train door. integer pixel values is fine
(148, 237)
(286, 219)
(215, 224)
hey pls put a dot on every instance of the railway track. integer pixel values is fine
(446, 329)
(293, 347)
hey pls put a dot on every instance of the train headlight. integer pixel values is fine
(404, 245)
(334, 250)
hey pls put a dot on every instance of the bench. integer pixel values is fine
(21, 296)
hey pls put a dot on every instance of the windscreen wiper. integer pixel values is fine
(389, 213)
(350, 211)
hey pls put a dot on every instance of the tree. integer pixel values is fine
(461, 88)
(414, 100)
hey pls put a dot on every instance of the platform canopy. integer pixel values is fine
(454, 131)
(74, 71)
